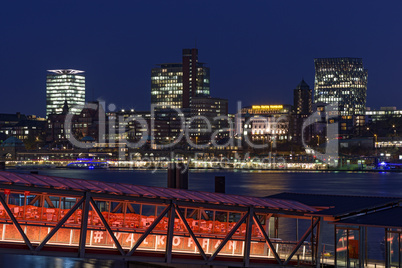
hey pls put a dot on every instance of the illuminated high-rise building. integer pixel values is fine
(342, 81)
(173, 85)
(64, 86)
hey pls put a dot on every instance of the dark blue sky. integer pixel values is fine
(258, 51)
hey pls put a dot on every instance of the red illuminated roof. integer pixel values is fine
(82, 185)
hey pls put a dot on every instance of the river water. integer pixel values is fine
(253, 183)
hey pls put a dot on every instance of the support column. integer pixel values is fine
(84, 225)
(169, 238)
(386, 248)
(247, 244)
(318, 242)
(362, 246)
(276, 227)
(312, 241)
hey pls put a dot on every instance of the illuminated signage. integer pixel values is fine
(267, 107)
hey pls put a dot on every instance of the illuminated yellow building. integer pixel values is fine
(265, 122)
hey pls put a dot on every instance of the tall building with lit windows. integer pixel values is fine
(64, 86)
(173, 85)
(342, 81)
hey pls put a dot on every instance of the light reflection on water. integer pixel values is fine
(253, 183)
(25, 261)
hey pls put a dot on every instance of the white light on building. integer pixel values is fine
(64, 85)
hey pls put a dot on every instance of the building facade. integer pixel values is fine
(86, 124)
(209, 112)
(264, 123)
(30, 129)
(384, 113)
(342, 81)
(173, 85)
(302, 108)
(64, 85)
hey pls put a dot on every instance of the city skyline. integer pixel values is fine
(257, 52)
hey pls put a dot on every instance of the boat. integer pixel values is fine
(21, 165)
(89, 165)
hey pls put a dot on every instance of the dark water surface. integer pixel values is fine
(253, 183)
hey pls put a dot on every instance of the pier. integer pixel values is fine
(53, 216)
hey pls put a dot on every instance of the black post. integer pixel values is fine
(2, 165)
(171, 175)
(181, 176)
(220, 184)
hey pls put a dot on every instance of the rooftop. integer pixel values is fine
(65, 71)
(387, 218)
(81, 185)
(339, 206)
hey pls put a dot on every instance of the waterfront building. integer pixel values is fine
(26, 128)
(85, 124)
(385, 122)
(209, 109)
(64, 85)
(265, 123)
(10, 148)
(343, 81)
(127, 125)
(173, 85)
(302, 108)
(384, 113)
(169, 125)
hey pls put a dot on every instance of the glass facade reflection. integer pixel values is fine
(62, 86)
(167, 86)
(342, 81)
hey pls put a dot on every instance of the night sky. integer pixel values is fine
(258, 51)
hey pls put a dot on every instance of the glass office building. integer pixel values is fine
(167, 86)
(173, 85)
(342, 81)
(64, 85)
